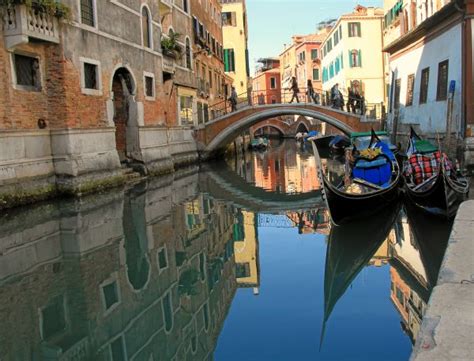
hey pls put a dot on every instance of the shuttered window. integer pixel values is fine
(229, 60)
(229, 19)
(87, 12)
(354, 30)
(410, 86)
(442, 86)
(425, 79)
(355, 58)
(315, 74)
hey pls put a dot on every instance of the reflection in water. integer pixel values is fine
(151, 273)
(288, 168)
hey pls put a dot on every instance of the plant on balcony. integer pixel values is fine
(50, 7)
(170, 45)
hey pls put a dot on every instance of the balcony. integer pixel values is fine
(22, 24)
(169, 63)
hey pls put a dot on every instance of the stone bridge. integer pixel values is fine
(222, 183)
(215, 135)
(288, 128)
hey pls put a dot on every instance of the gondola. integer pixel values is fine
(367, 185)
(439, 190)
(350, 248)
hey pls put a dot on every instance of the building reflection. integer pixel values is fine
(286, 167)
(413, 254)
(144, 275)
(311, 221)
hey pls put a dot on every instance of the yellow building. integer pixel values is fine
(352, 55)
(235, 33)
(246, 255)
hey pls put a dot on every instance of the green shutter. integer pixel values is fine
(349, 29)
(226, 60)
(360, 58)
(232, 60)
(342, 61)
(350, 60)
(359, 30)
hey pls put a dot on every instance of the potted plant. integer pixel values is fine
(50, 7)
(170, 45)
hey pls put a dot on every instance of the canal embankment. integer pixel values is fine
(447, 330)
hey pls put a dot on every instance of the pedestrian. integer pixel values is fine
(294, 88)
(310, 93)
(233, 100)
(336, 97)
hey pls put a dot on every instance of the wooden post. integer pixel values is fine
(449, 116)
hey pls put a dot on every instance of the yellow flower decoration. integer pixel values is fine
(370, 153)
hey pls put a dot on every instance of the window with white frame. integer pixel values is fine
(90, 77)
(27, 74)
(146, 28)
(149, 85)
(273, 83)
(186, 110)
(88, 12)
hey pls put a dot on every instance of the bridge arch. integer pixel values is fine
(231, 131)
(281, 129)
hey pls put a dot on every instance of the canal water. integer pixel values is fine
(230, 261)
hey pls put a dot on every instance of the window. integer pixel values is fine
(315, 74)
(88, 12)
(314, 54)
(410, 87)
(229, 60)
(425, 79)
(210, 79)
(163, 257)
(329, 44)
(340, 31)
(442, 87)
(27, 72)
(242, 270)
(186, 110)
(53, 318)
(149, 86)
(354, 30)
(273, 83)
(355, 58)
(302, 56)
(110, 293)
(146, 27)
(396, 99)
(336, 38)
(229, 19)
(117, 349)
(90, 76)
(188, 54)
(168, 312)
(186, 6)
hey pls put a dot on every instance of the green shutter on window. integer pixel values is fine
(350, 60)
(226, 60)
(360, 58)
(342, 61)
(359, 30)
(349, 29)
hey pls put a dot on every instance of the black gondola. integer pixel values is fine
(443, 191)
(350, 248)
(350, 196)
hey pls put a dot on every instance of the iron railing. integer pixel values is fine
(354, 105)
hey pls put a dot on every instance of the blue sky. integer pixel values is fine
(273, 22)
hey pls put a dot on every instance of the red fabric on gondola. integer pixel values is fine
(423, 166)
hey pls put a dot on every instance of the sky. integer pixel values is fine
(273, 22)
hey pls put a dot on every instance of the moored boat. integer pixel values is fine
(260, 143)
(369, 181)
(431, 180)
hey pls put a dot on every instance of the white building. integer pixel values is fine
(431, 79)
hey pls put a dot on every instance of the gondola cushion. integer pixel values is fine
(377, 172)
(422, 167)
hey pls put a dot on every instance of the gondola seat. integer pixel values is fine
(377, 171)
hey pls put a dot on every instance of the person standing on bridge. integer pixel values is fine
(310, 93)
(294, 88)
(233, 99)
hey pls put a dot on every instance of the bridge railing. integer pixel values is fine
(354, 104)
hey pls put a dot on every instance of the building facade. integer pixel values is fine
(432, 90)
(208, 55)
(308, 67)
(111, 86)
(352, 55)
(236, 54)
(266, 83)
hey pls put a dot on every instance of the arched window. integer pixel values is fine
(188, 54)
(146, 27)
